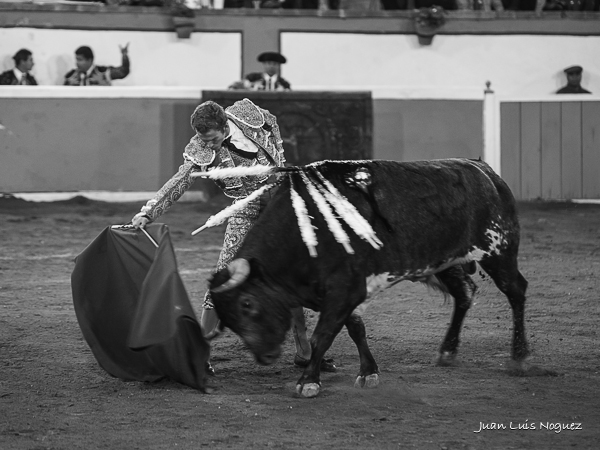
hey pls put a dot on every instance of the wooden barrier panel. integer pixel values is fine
(551, 147)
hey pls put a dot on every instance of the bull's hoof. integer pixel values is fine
(308, 390)
(523, 369)
(447, 359)
(369, 382)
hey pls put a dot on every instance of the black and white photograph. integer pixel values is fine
(299, 224)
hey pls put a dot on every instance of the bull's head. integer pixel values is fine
(252, 308)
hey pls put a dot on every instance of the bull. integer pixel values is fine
(431, 222)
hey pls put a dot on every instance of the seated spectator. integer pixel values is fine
(20, 74)
(394, 4)
(521, 5)
(573, 82)
(447, 5)
(482, 5)
(310, 4)
(269, 79)
(88, 74)
(567, 5)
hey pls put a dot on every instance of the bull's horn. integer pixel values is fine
(238, 269)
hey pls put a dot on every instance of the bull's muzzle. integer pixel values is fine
(238, 269)
(266, 359)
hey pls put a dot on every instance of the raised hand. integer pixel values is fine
(124, 49)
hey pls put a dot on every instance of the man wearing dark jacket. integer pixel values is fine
(20, 74)
(269, 79)
(88, 74)
(573, 82)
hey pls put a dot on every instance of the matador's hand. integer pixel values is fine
(140, 220)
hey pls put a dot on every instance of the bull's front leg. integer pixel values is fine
(328, 327)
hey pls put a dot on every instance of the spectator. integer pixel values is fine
(573, 82)
(394, 4)
(269, 79)
(481, 5)
(88, 74)
(20, 74)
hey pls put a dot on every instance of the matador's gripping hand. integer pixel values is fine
(140, 220)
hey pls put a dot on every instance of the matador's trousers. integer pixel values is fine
(238, 226)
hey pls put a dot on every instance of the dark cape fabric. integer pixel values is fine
(134, 311)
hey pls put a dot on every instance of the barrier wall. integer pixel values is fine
(110, 139)
(132, 139)
(128, 139)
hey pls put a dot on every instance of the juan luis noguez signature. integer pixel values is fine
(557, 427)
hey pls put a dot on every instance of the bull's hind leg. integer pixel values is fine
(368, 375)
(462, 288)
(504, 271)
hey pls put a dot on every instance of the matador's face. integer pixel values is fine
(214, 138)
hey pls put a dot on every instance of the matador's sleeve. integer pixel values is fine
(196, 157)
(271, 120)
(171, 191)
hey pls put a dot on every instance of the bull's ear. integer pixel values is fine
(249, 306)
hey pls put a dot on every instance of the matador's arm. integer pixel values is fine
(196, 157)
(171, 191)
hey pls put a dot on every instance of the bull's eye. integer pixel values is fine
(249, 307)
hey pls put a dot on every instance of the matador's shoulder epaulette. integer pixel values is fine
(247, 113)
(198, 152)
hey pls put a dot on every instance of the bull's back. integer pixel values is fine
(426, 212)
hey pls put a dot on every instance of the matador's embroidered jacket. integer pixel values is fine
(258, 125)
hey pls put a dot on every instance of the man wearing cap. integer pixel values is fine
(269, 79)
(573, 82)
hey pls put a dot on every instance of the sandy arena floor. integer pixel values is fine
(53, 394)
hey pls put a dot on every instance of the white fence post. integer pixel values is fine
(491, 131)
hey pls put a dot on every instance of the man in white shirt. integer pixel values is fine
(20, 75)
(270, 79)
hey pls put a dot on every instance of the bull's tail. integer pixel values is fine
(434, 283)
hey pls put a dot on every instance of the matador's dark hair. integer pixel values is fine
(208, 116)
(21, 55)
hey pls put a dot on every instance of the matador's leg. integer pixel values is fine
(238, 226)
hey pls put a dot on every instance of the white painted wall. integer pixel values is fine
(515, 64)
(459, 66)
(157, 58)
